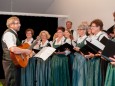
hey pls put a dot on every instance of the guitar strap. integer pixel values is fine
(72, 32)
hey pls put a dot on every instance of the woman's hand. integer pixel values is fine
(99, 53)
(90, 55)
(76, 48)
(59, 52)
(113, 61)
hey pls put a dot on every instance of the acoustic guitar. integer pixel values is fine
(21, 60)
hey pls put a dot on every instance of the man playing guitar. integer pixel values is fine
(10, 42)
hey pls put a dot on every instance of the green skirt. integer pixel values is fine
(28, 74)
(110, 76)
(94, 77)
(37, 72)
(43, 72)
(59, 71)
(40, 72)
(79, 70)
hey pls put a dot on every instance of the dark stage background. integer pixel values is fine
(37, 23)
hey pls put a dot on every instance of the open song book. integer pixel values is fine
(45, 52)
(94, 47)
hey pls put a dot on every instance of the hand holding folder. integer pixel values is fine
(113, 61)
(107, 58)
(109, 50)
(64, 47)
(45, 52)
(90, 48)
(104, 40)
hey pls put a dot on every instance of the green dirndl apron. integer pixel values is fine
(79, 70)
(37, 73)
(94, 77)
(59, 70)
(28, 74)
(110, 76)
(43, 72)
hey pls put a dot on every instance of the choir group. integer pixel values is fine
(69, 68)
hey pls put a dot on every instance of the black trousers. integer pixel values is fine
(12, 73)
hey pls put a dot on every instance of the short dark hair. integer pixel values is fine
(30, 29)
(61, 28)
(114, 13)
(97, 22)
(68, 22)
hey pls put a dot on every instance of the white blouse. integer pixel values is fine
(29, 42)
(43, 45)
(39, 44)
(80, 39)
(61, 42)
(101, 36)
(68, 41)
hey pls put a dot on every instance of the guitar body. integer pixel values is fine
(20, 60)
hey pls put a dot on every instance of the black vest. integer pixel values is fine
(6, 52)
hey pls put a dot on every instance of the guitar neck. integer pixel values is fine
(33, 44)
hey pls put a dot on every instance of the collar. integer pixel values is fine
(61, 38)
(80, 39)
(83, 37)
(29, 40)
(14, 31)
(44, 43)
(98, 34)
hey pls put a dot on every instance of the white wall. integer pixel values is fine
(77, 10)
(84, 10)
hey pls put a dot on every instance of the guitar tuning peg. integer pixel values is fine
(38, 38)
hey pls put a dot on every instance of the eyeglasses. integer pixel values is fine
(80, 29)
(93, 26)
(16, 23)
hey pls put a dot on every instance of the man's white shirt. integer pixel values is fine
(10, 39)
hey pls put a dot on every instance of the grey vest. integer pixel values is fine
(6, 52)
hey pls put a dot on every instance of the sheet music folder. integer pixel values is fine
(104, 40)
(89, 47)
(36, 50)
(64, 47)
(109, 49)
(45, 52)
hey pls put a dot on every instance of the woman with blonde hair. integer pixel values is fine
(44, 36)
(42, 67)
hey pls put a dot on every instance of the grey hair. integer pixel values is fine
(85, 27)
